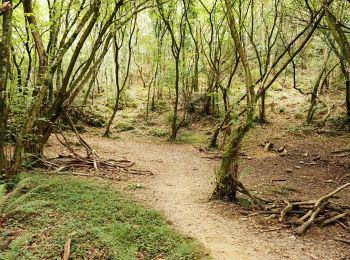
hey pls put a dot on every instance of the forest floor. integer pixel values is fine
(183, 181)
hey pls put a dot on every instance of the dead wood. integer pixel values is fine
(66, 252)
(335, 218)
(304, 214)
(301, 229)
(346, 150)
(342, 240)
(272, 212)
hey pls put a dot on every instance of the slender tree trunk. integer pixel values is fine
(88, 91)
(262, 115)
(315, 90)
(195, 82)
(115, 110)
(174, 121)
(148, 99)
(225, 121)
(5, 50)
(347, 95)
(19, 73)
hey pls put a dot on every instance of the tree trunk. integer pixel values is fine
(40, 86)
(227, 183)
(227, 176)
(174, 120)
(195, 82)
(115, 110)
(225, 121)
(262, 116)
(5, 50)
(347, 101)
(315, 91)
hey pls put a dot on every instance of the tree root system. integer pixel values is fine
(91, 162)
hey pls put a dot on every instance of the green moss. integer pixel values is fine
(43, 212)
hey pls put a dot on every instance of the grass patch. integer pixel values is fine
(158, 132)
(43, 212)
(124, 127)
(191, 138)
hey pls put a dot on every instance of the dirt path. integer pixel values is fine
(180, 188)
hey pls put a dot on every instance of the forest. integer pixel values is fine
(163, 129)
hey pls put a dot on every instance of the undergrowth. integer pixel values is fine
(42, 213)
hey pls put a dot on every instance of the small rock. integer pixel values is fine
(301, 162)
(249, 158)
(297, 167)
(281, 149)
(289, 170)
(317, 158)
(312, 163)
(284, 152)
(306, 154)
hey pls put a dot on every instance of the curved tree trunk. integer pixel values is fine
(227, 178)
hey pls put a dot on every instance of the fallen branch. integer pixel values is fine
(342, 240)
(335, 218)
(66, 252)
(300, 230)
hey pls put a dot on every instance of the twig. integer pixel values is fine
(343, 240)
(66, 252)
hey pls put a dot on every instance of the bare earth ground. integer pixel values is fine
(183, 181)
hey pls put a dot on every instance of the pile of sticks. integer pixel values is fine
(322, 211)
(65, 163)
(303, 214)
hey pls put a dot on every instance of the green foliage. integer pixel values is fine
(124, 127)
(244, 201)
(43, 212)
(158, 132)
(191, 138)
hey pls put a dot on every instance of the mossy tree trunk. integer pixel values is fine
(315, 90)
(176, 48)
(40, 88)
(5, 50)
(228, 183)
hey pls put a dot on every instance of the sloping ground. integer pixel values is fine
(180, 188)
(46, 215)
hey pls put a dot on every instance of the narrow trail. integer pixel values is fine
(180, 188)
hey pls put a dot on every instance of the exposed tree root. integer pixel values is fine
(90, 162)
(242, 189)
